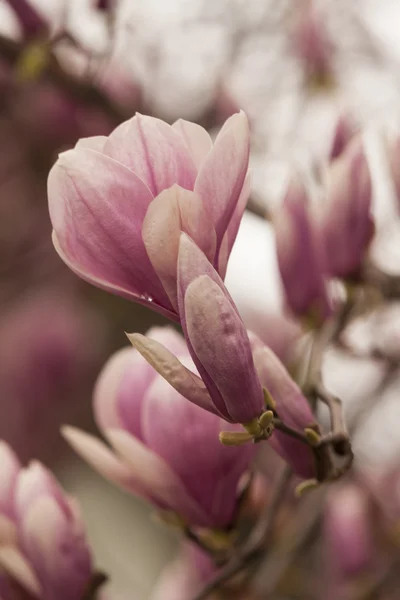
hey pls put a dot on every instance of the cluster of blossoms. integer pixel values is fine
(328, 240)
(192, 419)
(151, 213)
(44, 553)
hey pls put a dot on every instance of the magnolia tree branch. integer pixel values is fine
(257, 542)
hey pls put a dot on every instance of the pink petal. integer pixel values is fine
(8, 531)
(103, 460)
(9, 470)
(162, 483)
(221, 344)
(124, 380)
(173, 211)
(97, 207)
(14, 563)
(300, 254)
(193, 263)
(221, 178)
(144, 299)
(120, 389)
(36, 481)
(172, 427)
(292, 407)
(95, 142)
(197, 140)
(58, 550)
(233, 227)
(168, 337)
(348, 226)
(168, 366)
(154, 151)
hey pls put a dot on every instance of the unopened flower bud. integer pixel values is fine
(347, 222)
(300, 255)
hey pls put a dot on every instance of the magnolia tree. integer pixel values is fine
(237, 442)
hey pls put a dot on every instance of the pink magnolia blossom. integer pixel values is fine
(347, 226)
(313, 46)
(234, 365)
(348, 537)
(301, 255)
(46, 362)
(291, 406)
(43, 547)
(164, 448)
(119, 203)
(217, 341)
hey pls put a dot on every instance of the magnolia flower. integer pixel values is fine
(347, 225)
(43, 547)
(301, 255)
(348, 537)
(217, 341)
(164, 448)
(313, 46)
(119, 203)
(46, 361)
(290, 405)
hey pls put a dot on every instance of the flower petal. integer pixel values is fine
(144, 299)
(97, 207)
(193, 263)
(57, 548)
(95, 142)
(221, 178)
(233, 227)
(176, 429)
(10, 468)
(348, 226)
(14, 563)
(168, 366)
(34, 482)
(154, 151)
(300, 254)
(221, 344)
(173, 211)
(125, 379)
(104, 460)
(292, 407)
(120, 389)
(197, 140)
(156, 476)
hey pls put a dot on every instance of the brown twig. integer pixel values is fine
(295, 536)
(334, 404)
(257, 541)
(298, 435)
